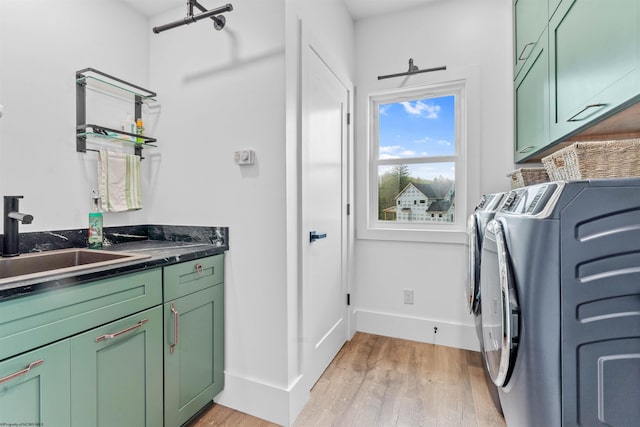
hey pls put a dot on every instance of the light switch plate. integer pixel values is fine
(244, 157)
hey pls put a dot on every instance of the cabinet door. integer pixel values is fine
(553, 5)
(193, 353)
(530, 19)
(532, 103)
(35, 387)
(116, 373)
(594, 55)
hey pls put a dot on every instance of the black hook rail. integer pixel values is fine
(412, 70)
(218, 21)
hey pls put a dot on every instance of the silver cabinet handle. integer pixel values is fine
(588, 107)
(521, 57)
(124, 331)
(175, 328)
(313, 236)
(22, 372)
(526, 149)
(199, 268)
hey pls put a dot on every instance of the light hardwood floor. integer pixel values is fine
(385, 382)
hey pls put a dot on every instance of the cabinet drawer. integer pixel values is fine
(188, 277)
(32, 321)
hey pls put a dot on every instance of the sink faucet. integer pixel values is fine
(10, 246)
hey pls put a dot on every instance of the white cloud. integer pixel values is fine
(427, 140)
(390, 148)
(395, 152)
(382, 110)
(424, 140)
(420, 109)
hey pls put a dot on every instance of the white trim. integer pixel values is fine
(260, 399)
(450, 334)
(467, 171)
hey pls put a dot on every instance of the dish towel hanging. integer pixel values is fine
(119, 176)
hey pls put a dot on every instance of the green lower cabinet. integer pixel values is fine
(116, 373)
(35, 387)
(193, 353)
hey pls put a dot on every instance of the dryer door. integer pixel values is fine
(499, 305)
(473, 268)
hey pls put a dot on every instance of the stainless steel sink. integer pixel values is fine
(43, 264)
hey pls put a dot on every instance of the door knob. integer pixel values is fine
(313, 236)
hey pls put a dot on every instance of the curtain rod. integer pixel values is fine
(412, 70)
(218, 21)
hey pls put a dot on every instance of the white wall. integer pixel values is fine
(42, 45)
(458, 34)
(231, 90)
(223, 91)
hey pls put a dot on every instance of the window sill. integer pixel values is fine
(414, 235)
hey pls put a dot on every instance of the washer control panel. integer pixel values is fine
(530, 200)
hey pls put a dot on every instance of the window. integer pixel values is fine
(417, 168)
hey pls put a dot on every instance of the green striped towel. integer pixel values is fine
(119, 176)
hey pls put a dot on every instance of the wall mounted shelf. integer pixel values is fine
(105, 83)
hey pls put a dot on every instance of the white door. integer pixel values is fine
(324, 197)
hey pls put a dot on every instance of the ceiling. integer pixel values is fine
(358, 8)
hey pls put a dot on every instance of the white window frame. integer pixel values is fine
(462, 84)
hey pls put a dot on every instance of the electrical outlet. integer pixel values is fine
(244, 157)
(408, 296)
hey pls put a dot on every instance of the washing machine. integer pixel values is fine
(560, 304)
(484, 212)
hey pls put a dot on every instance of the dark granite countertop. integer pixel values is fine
(165, 245)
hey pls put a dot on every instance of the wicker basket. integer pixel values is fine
(596, 159)
(528, 176)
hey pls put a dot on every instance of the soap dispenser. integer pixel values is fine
(95, 237)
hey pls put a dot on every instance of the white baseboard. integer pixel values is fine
(418, 329)
(269, 402)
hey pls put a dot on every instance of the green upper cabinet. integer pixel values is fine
(530, 19)
(532, 103)
(553, 5)
(35, 387)
(594, 57)
(116, 373)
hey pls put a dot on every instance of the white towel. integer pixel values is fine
(119, 176)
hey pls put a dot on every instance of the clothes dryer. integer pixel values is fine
(484, 212)
(560, 304)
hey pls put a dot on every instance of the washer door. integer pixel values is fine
(473, 268)
(499, 305)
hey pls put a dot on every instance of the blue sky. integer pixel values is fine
(419, 128)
